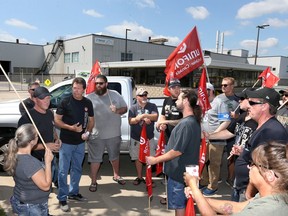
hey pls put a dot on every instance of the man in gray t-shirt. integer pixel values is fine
(108, 107)
(218, 115)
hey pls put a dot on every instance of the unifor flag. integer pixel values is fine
(203, 100)
(160, 151)
(91, 81)
(149, 180)
(190, 210)
(202, 155)
(185, 58)
(268, 78)
(144, 149)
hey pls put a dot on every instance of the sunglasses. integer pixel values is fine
(252, 103)
(32, 89)
(99, 83)
(224, 85)
(145, 95)
(264, 167)
(286, 94)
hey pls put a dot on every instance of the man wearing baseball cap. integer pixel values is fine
(282, 113)
(263, 103)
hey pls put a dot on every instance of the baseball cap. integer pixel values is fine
(174, 82)
(243, 94)
(41, 92)
(141, 91)
(209, 86)
(268, 94)
(283, 91)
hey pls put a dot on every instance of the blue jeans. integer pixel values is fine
(70, 156)
(176, 195)
(22, 209)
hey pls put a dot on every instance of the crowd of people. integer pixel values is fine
(251, 126)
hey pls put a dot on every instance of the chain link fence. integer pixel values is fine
(20, 80)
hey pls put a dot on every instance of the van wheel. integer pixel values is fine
(3, 148)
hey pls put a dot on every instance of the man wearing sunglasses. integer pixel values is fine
(143, 112)
(282, 114)
(215, 118)
(29, 103)
(108, 107)
(263, 103)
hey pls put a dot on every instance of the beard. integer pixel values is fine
(101, 91)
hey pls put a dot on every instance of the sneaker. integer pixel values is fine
(202, 187)
(63, 206)
(209, 192)
(77, 197)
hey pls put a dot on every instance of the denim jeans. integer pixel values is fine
(28, 209)
(70, 156)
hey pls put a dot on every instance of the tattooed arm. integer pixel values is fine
(226, 207)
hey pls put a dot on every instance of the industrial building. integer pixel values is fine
(145, 61)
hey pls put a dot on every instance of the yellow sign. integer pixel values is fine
(47, 82)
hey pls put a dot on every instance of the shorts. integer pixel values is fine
(134, 148)
(175, 195)
(97, 147)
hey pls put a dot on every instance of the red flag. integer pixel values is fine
(203, 99)
(186, 57)
(190, 211)
(144, 149)
(168, 77)
(268, 78)
(148, 180)
(202, 155)
(160, 151)
(91, 82)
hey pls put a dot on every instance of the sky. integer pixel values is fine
(42, 21)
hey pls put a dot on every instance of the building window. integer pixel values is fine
(67, 58)
(129, 57)
(75, 57)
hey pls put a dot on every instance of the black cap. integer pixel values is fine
(243, 94)
(283, 91)
(268, 94)
(41, 92)
(174, 82)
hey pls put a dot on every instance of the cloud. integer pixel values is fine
(5, 36)
(20, 24)
(198, 13)
(92, 13)
(264, 7)
(138, 32)
(251, 44)
(275, 22)
(146, 3)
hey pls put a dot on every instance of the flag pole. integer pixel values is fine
(28, 113)
(282, 105)
(149, 206)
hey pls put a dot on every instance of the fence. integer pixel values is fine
(20, 80)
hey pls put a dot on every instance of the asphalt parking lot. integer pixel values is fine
(111, 199)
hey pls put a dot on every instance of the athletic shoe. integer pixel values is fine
(63, 206)
(77, 197)
(209, 192)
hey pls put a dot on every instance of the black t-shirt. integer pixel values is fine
(271, 130)
(170, 111)
(45, 125)
(242, 129)
(74, 111)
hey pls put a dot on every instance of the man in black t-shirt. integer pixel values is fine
(75, 117)
(263, 103)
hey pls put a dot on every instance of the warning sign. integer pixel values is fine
(47, 82)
